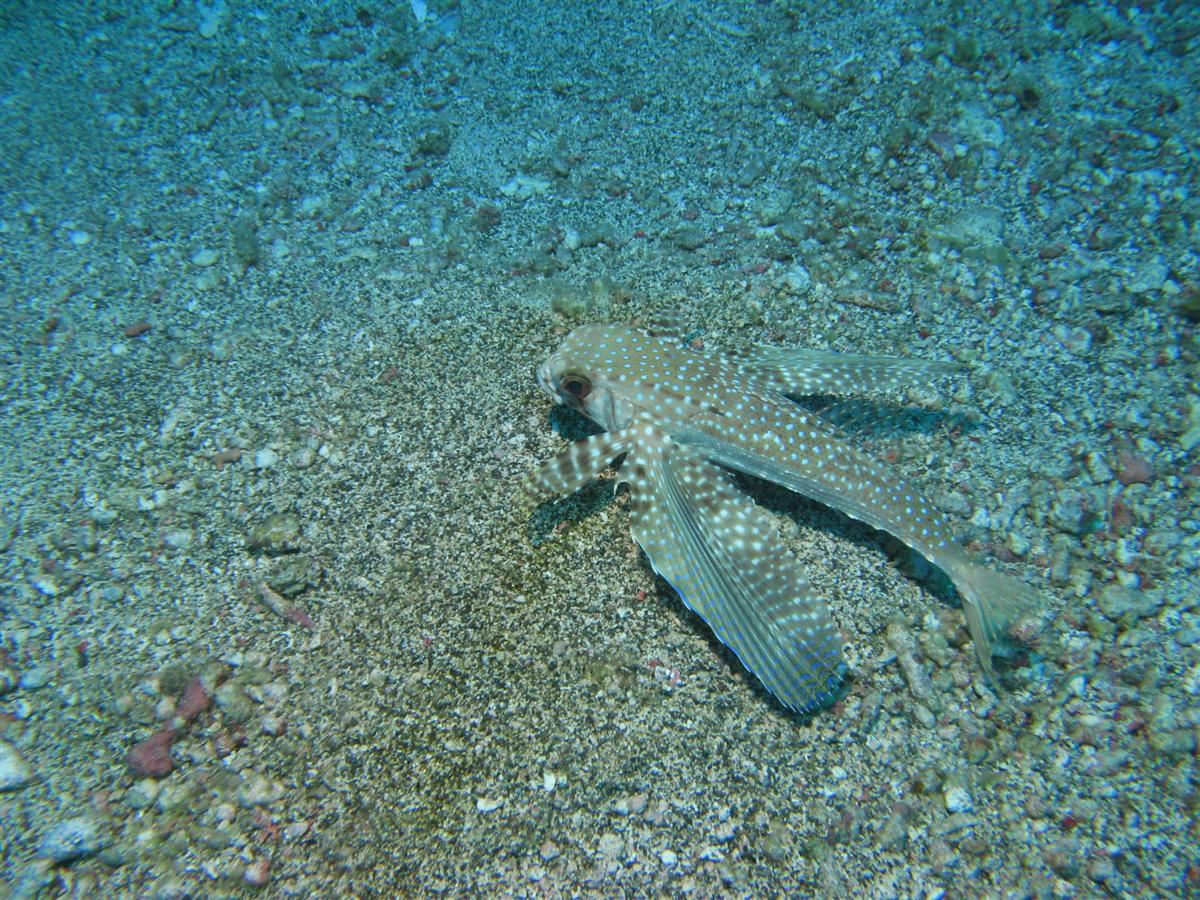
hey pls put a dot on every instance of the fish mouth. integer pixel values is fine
(546, 380)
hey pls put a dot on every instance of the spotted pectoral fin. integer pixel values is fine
(720, 552)
(574, 467)
(801, 371)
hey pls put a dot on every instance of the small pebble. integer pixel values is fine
(265, 458)
(258, 790)
(204, 257)
(36, 678)
(153, 755)
(957, 799)
(1133, 469)
(14, 771)
(143, 793)
(69, 840)
(258, 873)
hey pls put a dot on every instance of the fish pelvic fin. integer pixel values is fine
(574, 467)
(721, 554)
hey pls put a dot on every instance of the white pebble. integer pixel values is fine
(204, 257)
(142, 793)
(14, 771)
(36, 678)
(71, 839)
(797, 280)
(957, 799)
(265, 458)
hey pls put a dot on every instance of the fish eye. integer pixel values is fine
(575, 385)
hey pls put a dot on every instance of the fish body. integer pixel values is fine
(683, 417)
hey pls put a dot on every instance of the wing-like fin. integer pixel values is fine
(576, 466)
(719, 551)
(867, 490)
(805, 372)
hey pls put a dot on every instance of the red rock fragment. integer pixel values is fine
(1133, 469)
(195, 701)
(137, 329)
(153, 755)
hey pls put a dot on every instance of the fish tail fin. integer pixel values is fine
(992, 602)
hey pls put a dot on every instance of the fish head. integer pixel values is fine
(582, 374)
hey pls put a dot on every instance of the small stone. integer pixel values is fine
(957, 798)
(1097, 468)
(1190, 439)
(195, 700)
(142, 793)
(153, 755)
(894, 833)
(210, 20)
(278, 533)
(36, 678)
(14, 771)
(179, 539)
(688, 238)
(204, 257)
(304, 457)
(232, 700)
(258, 790)
(291, 575)
(1063, 858)
(549, 850)
(1101, 869)
(265, 458)
(1117, 602)
(1133, 469)
(669, 858)
(797, 280)
(488, 804)
(258, 873)
(72, 839)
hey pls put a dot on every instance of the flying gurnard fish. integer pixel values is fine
(683, 418)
